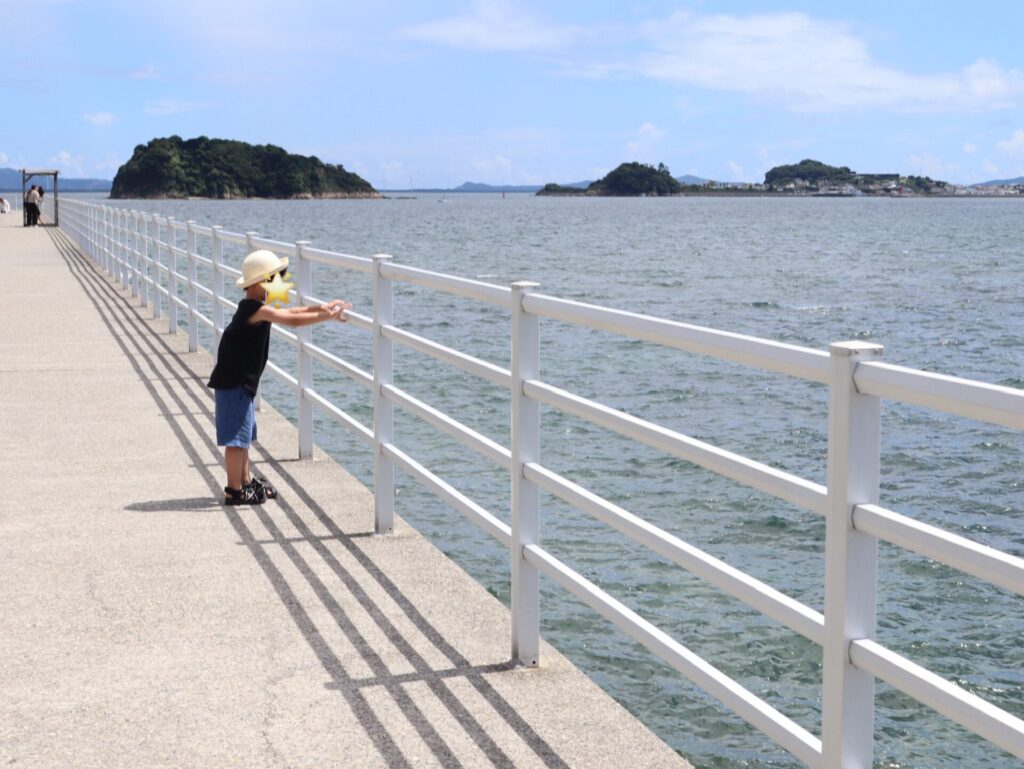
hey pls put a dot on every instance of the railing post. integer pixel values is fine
(305, 365)
(133, 231)
(122, 246)
(142, 243)
(172, 281)
(217, 254)
(383, 409)
(848, 694)
(157, 271)
(118, 246)
(193, 295)
(525, 495)
(108, 263)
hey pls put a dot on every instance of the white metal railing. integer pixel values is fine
(142, 252)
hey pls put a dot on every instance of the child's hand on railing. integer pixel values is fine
(336, 309)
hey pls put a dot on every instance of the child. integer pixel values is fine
(241, 358)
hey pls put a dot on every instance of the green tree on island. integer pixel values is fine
(220, 168)
(628, 180)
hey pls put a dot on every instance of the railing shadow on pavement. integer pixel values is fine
(143, 345)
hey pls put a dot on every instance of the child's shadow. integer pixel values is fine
(172, 505)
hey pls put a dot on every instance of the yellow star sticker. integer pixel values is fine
(277, 290)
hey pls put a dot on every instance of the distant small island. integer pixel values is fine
(808, 177)
(221, 168)
(628, 180)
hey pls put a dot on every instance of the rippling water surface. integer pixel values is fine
(937, 282)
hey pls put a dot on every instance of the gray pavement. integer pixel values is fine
(143, 624)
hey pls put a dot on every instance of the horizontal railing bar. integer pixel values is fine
(202, 229)
(449, 284)
(966, 555)
(178, 300)
(231, 271)
(786, 732)
(460, 432)
(474, 512)
(232, 237)
(204, 290)
(345, 261)
(277, 246)
(312, 301)
(339, 416)
(344, 367)
(289, 380)
(469, 364)
(360, 321)
(970, 711)
(756, 594)
(791, 488)
(801, 362)
(203, 319)
(290, 336)
(963, 397)
(202, 260)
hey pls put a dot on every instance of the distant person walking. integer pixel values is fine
(39, 205)
(32, 207)
(5, 206)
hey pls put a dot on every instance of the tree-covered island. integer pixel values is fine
(221, 168)
(628, 180)
(808, 177)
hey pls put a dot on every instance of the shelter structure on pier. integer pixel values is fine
(31, 173)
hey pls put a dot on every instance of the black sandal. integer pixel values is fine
(243, 496)
(262, 487)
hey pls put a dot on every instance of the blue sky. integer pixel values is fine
(521, 91)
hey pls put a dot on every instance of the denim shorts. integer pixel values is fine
(235, 416)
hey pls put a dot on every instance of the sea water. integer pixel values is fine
(937, 282)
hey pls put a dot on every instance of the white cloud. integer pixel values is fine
(492, 25)
(170, 106)
(970, 149)
(99, 118)
(803, 64)
(146, 72)
(737, 171)
(650, 131)
(927, 164)
(497, 168)
(989, 167)
(67, 163)
(3, 157)
(644, 143)
(1013, 146)
(107, 167)
(799, 62)
(812, 66)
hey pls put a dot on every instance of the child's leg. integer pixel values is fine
(236, 461)
(246, 477)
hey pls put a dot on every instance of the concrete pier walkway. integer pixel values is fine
(143, 624)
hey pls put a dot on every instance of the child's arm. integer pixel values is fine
(302, 316)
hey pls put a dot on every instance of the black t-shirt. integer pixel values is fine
(243, 351)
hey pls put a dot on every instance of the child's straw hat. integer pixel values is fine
(260, 265)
